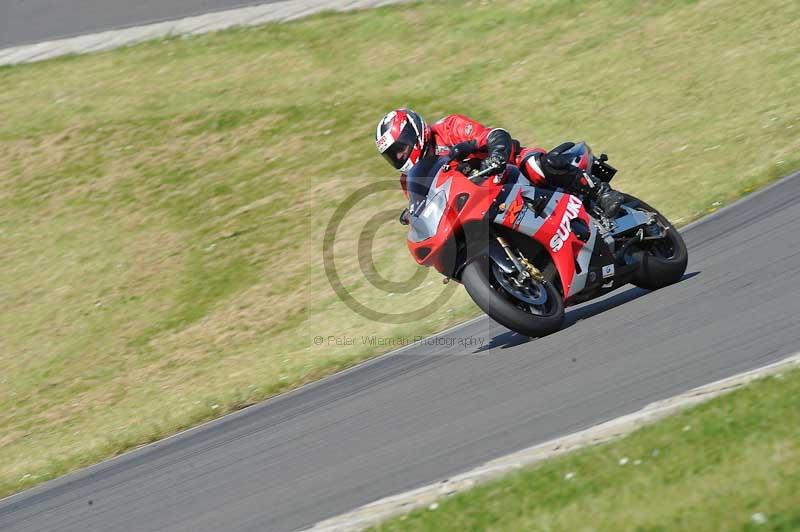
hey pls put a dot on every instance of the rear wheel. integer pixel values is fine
(531, 308)
(663, 261)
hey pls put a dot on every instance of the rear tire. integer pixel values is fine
(662, 262)
(482, 286)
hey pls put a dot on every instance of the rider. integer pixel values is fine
(403, 138)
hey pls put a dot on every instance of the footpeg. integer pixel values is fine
(658, 236)
(638, 237)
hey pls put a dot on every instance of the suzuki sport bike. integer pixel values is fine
(524, 253)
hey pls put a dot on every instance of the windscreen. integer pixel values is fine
(419, 181)
(426, 212)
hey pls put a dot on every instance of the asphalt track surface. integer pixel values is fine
(30, 21)
(425, 413)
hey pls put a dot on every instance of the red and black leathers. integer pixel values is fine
(555, 169)
(455, 129)
(494, 143)
(496, 147)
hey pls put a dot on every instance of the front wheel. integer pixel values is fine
(663, 261)
(530, 308)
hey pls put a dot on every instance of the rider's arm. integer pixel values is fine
(455, 129)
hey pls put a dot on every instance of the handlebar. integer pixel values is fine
(476, 177)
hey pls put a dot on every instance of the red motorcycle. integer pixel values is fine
(524, 253)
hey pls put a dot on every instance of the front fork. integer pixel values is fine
(522, 267)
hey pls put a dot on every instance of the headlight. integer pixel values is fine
(425, 225)
(435, 208)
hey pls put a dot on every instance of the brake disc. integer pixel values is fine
(531, 292)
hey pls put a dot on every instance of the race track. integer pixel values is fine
(29, 21)
(419, 415)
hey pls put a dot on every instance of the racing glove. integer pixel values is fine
(499, 145)
(496, 161)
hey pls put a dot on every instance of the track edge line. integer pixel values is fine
(382, 509)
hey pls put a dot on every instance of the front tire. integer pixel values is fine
(483, 286)
(662, 262)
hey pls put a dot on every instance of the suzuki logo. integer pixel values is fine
(572, 211)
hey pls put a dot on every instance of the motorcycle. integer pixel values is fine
(524, 253)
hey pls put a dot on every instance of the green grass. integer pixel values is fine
(162, 206)
(713, 467)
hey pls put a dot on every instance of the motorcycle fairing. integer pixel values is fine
(538, 213)
(573, 257)
(631, 219)
(582, 261)
(517, 214)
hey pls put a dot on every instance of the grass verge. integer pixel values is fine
(730, 464)
(162, 206)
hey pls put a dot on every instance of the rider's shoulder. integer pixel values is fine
(452, 118)
(454, 122)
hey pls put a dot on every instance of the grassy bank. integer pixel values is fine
(730, 464)
(162, 206)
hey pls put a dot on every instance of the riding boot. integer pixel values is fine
(608, 199)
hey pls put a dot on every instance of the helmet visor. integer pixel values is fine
(397, 154)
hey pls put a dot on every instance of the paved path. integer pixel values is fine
(424, 414)
(33, 30)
